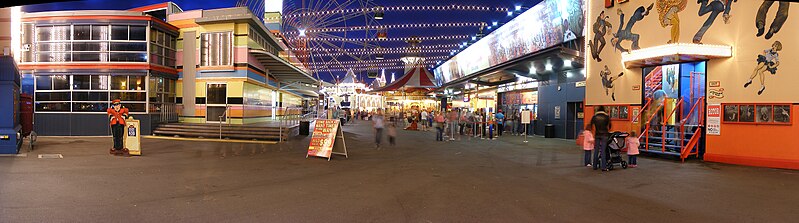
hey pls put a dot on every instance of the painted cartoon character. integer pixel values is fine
(601, 26)
(607, 82)
(779, 19)
(668, 11)
(116, 118)
(766, 62)
(714, 8)
(626, 33)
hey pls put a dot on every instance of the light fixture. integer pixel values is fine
(548, 67)
(494, 23)
(510, 13)
(567, 63)
(302, 32)
(518, 7)
(474, 37)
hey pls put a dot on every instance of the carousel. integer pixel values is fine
(352, 95)
(411, 94)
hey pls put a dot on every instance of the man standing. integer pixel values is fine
(601, 123)
(452, 118)
(117, 115)
(424, 120)
(500, 122)
(377, 120)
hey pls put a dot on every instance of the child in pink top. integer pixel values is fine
(588, 145)
(632, 149)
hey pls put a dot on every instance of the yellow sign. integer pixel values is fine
(325, 134)
(133, 137)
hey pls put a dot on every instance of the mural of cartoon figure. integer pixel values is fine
(779, 19)
(766, 62)
(714, 8)
(601, 26)
(607, 82)
(668, 11)
(627, 33)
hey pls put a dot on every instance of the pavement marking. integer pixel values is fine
(51, 156)
(14, 155)
(210, 140)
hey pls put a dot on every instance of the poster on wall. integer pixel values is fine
(526, 115)
(557, 112)
(714, 119)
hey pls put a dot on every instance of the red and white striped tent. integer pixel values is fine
(417, 77)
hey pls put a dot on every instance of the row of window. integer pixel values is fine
(90, 82)
(92, 57)
(93, 93)
(253, 34)
(216, 49)
(162, 48)
(90, 32)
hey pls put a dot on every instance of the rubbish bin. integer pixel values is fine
(549, 131)
(305, 128)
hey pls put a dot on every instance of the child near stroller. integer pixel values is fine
(615, 144)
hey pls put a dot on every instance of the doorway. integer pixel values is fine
(574, 119)
(216, 103)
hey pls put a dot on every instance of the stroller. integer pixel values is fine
(615, 145)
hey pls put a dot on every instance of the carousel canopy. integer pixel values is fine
(417, 77)
(349, 78)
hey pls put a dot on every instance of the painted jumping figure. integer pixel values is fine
(766, 62)
(669, 16)
(714, 8)
(779, 19)
(626, 33)
(601, 26)
(607, 82)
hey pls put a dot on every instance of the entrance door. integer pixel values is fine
(574, 119)
(216, 103)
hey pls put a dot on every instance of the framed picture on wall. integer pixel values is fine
(624, 112)
(746, 113)
(764, 113)
(609, 3)
(782, 113)
(731, 113)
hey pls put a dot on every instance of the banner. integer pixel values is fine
(324, 137)
(714, 119)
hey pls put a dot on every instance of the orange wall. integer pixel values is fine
(756, 145)
(615, 125)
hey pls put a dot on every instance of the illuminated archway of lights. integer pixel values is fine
(405, 8)
(393, 26)
(422, 38)
(439, 46)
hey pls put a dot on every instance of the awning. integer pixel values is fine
(417, 77)
(280, 69)
(674, 53)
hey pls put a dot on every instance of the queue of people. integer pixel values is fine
(595, 137)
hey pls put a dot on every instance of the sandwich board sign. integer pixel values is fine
(323, 141)
(132, 137)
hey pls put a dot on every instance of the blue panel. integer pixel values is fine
(237, 73)
(549, 97)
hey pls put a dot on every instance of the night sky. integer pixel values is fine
(391, 18)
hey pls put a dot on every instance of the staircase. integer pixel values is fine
(680, 139)
(669, 139)
(654, 81)
(266, 132)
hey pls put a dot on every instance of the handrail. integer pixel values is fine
(685, 119)
(648, 102)
(677, 106)
(663, 126)
(685, 152)
(224, 114)
(648, 127)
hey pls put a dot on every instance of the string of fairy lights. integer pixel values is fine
(431, 58)
(375, 65)
(403, 8)
(422, 38)
(407, 49)
(372, 52)
(392, 26)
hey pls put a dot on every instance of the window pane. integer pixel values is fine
(90, 106)
(61, 33)
(129, 96)
(52, 96)
(128, 46)
(101, 46)
(160, 38)
(88, 56)
(135, 107)
(136, 83)
(44, 83)
(44, 33)
(99, 82)
(81, 82)
(99, 32)
(119, 32)
(82, 32)
(129, 57)
(161, 84)
(60, 82)
(58, 47)
(55, 57)
(119, 82)
(89, 96)
(138, 33)
(217, 94)
(57, 106)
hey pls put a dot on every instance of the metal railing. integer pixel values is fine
(224, 115)
(290, 118)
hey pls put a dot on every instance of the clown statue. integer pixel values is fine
(117, 115)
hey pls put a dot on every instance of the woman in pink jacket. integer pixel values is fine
(632, 149)
(588, 144)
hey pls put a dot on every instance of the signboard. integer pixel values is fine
(545, 25)
(557, 112)
(526, 116)
(579, 84)
(133, 137)
(714, 119)
(325, 134)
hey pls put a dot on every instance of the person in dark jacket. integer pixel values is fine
(601, 123)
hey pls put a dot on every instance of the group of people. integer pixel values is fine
(453, 124)
(595, 138)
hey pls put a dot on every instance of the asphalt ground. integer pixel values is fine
(418, 180)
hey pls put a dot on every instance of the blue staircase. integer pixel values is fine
(668, 140)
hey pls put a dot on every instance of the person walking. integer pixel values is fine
(588, 144)
(440, 123)
(378, 123)
(601, 123)
(392, 134)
